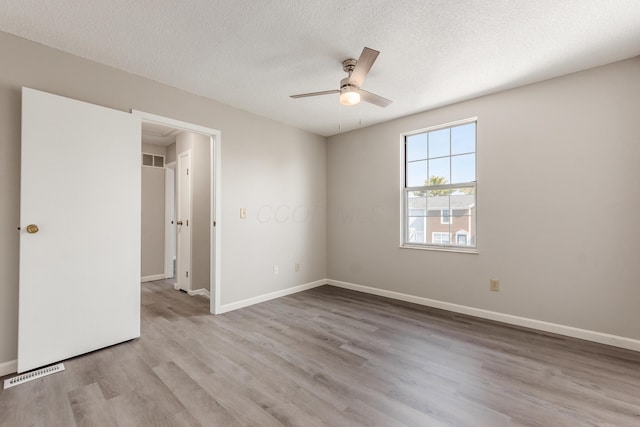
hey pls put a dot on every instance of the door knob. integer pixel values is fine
(32, 228)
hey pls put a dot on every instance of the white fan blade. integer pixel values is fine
(325, 92)
(372, 98)
(366, 60)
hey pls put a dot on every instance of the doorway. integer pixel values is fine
(84, 234)
(191, 228)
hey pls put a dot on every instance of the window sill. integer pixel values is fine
(440, 249)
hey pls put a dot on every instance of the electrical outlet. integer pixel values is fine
(297, 267)
(276, 270)
(243, 213)
(494, 285)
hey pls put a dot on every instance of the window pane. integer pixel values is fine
(416, 173)
(439, 143)
(416, 229)
(439, 168)
(462, 197)
(463, 216)
(463, 139)
(437, 201)
(416, 204)
(416, 146)
(463, 168)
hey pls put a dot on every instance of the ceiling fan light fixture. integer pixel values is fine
(350, 92)
(349, 95)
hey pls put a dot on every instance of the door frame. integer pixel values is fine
(215, 139)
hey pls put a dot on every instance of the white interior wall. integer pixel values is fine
(557, 205)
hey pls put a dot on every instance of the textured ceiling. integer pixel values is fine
(253, 54)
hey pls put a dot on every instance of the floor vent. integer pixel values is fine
(23, 378)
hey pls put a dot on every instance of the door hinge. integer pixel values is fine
(187, 274)
(187, 171)
(214, 223)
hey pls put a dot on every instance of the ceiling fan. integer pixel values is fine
(350, 92)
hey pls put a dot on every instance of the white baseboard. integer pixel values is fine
(201, 291)
(271, 295)
(152, 278)
(570, 331)
(10, 367)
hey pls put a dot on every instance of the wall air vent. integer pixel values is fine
(152, 160)
(28, 376)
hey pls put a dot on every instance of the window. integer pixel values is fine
(440, 238)
(440, 186)
(461, 239)
(445, 216)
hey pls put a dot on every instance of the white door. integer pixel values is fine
(184, 221)
(80, 271)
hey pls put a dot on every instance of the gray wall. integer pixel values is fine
(264, 163)
(152, 242)
(200, 205)
(558, 203)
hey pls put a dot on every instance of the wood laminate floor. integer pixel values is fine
(331, 357)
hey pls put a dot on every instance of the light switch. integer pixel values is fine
(243, 213)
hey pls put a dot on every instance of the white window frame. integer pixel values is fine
(440, 234)
(458, 234)
(404, 195)
(448, 216)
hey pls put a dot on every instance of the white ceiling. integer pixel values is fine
(253, 54)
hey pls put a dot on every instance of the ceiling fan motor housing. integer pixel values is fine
(344, 83)
(349, 64)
